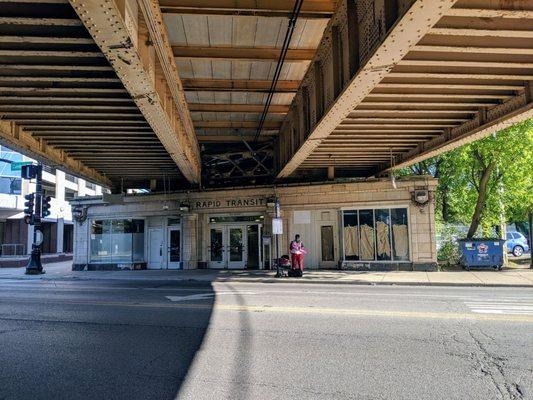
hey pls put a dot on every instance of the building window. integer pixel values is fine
(49, 169)
(10, 182)
(376, 234)
(71, 178)
(239, 218)
(117, 241)
(10, 185)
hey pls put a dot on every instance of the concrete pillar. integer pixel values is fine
(60, 185)
(81, 187)
(59, 236)
(98, 190)
(81, 245)
(189, 228)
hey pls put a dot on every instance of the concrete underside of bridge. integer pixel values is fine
(182, 93)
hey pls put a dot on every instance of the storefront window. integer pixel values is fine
(239, 218)
(366, 235)
(383, 239)
(400, 234)
(117, 241)
(351, 235)
(376, 235)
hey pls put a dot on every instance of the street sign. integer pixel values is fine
(17, 166)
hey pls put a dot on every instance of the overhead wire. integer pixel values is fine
(281, 60)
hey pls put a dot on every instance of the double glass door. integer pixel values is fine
(228, 247)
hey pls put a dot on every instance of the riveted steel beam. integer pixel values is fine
(402, 37)
(132, 37)
(16, 138)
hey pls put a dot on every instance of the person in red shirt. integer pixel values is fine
(297, 253)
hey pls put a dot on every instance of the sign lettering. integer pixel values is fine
(230, 203)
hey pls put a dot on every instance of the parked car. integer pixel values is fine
(516, 243)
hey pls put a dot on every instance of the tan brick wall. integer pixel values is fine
(330, 196)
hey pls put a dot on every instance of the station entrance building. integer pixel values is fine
(369, 225)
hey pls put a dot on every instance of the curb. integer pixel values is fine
(284, 280)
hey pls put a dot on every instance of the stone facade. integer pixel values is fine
(324, 203)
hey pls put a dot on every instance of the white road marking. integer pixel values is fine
(199, 296)
(204, 296)
(518, 306)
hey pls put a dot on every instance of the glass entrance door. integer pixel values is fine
(227, 247)
(217, 251)
(236, 249)
(174, 248)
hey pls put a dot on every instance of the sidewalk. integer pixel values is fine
(519, 277)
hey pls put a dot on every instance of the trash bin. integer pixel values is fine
(481, 253)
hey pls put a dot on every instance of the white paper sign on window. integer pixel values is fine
(302, 217)
(277, 226)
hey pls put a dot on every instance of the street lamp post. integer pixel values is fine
(34, 266)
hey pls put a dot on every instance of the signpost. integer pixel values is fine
(277, 230)
(17, 165)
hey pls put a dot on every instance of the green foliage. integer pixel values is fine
(508, 158)
(448, 253)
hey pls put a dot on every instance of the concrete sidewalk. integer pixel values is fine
(521, 277)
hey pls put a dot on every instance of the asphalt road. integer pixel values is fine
(154, 340)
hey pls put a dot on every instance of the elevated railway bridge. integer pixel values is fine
(202, 93)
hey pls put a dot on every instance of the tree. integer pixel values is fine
(470, 177)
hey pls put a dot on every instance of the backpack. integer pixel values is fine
(295, 273)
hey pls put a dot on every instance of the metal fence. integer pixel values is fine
(12, 250)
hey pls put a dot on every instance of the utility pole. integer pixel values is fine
(34, 266)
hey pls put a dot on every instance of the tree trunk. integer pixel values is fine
(481, 199)
(445, 206)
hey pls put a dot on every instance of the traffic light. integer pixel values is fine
(45, 207)
(28, 211)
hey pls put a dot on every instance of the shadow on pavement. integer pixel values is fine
(90, 347)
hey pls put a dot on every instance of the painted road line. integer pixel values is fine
(347, 312)
(517, 307)
(205, 296)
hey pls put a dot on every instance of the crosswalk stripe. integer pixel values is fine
(512, 312)
(509, 306)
